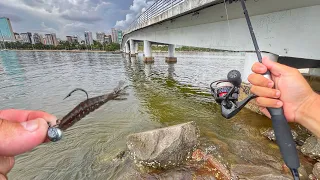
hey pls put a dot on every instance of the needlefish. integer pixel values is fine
(83, 109)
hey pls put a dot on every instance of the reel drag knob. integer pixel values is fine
(54, 134)
(234, 77)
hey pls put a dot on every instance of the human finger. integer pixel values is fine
(2, 177)
(17, 138)
(6, 164)
(277, 69)
(18, 115)
(268, 102)
(265, 92)
(259, 68)
(259, 80)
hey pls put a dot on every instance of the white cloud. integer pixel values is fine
(137, 7)
(125, 23)
(47, 29)
(63, 17)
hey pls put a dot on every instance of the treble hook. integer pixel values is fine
(77, 89)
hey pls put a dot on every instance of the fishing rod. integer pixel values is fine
(226, 94)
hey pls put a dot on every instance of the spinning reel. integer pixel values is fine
(226, 94)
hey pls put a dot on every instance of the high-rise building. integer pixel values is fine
(100, 37)
(17, 37)
(26, 37)
(42, 38)
(44, 41)
(69, 39)
(54, 39)
(114, 35)
(75, 39)
(120, 34)
(88, 37)
(107, 39)
(6, 32)
(49, 39)
(37, 38)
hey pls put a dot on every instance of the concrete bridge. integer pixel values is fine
(287, 31)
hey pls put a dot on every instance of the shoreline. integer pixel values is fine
(59, 50)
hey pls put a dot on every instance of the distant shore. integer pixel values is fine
(61, 50)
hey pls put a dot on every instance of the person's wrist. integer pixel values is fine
(303, 113)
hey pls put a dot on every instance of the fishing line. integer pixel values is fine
(226, 9)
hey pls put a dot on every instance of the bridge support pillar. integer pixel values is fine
(171, 52)
(127, 48)
(147, 52)
(136, 45)
(132, 48)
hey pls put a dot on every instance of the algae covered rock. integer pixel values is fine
(165, 146)
(253, 172)
(316, 170)
(311, 148)
(269, 133)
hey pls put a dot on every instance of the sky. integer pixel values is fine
(71, 17)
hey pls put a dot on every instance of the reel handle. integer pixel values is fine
(234, 77)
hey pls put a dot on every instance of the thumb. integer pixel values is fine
(17, 138)
(275, 68)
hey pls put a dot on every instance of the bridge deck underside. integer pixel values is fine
(282, 27)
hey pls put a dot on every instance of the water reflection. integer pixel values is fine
(148, 69)
(11, 66)
(171, 70)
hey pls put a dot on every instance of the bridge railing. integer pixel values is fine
(157, 8)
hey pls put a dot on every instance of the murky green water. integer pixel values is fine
(160, 95)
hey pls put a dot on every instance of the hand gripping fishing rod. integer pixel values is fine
(226, 94)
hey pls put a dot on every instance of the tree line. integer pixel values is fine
(64, 45)
(182, 48)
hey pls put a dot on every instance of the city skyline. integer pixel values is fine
(8, 34)
(65, 37)
(71, 17)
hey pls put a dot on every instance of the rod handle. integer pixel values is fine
(284, 138)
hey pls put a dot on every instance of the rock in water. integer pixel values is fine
(257, 172)
(165, 146)
(311, 148)
(271, 136)
(316, 170)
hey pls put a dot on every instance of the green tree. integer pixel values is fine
(112, 47)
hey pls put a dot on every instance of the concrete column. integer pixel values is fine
(147, 52)
(250, 59)
(136, 47)
(127, 48)
(132, 48)
(171, 52)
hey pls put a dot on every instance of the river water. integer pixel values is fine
(160, 95)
